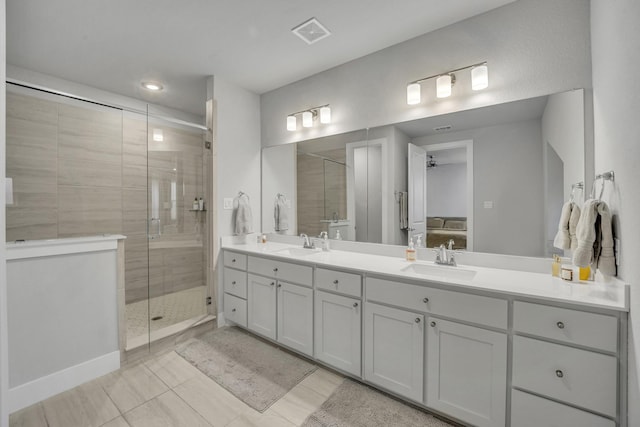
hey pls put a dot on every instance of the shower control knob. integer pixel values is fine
(560, 325)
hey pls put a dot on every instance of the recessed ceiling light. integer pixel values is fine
(311, 31)
(154, 86)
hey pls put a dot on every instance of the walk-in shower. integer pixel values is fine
(83, 168)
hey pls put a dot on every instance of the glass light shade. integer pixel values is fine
(292, 123)
(443, 86)
(480, 77)
(307, 119)
(325, 115)
(413, 93)
(158, 135)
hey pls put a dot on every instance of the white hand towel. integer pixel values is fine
(586, 234)
(573, 224)
(606, 258)
(562, 239)
(280, 216)
(243, 218)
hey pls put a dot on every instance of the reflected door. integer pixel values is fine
(417, 206)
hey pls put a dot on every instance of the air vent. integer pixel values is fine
(442, 128)
(311, 31)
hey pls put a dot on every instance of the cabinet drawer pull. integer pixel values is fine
(233, 260)
(275, 270)
(233, 310)
(355, 305)
(560, 325)
(425, 300)
(272, 283)
(279, 285)
(233, 283)
(335, 282)
(433, 324)
(417, 320)
(559, 373)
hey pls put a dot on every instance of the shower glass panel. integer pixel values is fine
(176, 220)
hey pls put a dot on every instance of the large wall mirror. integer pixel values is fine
(492, 179)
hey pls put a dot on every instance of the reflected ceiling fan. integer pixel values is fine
(431, 161)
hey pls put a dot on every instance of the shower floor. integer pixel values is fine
(172, 311)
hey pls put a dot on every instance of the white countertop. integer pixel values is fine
(610, 294)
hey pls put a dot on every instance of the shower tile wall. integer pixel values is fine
(83, 171)
(311, 190)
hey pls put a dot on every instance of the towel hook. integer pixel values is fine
(606, 176)
(574, 187)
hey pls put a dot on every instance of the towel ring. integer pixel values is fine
(607, 176)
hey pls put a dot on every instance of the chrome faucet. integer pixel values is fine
(306, 243)
(446, 256)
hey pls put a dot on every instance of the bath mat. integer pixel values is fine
(356, 405)
(256, 372)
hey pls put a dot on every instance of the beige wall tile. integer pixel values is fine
(79, 172)
(89, 210)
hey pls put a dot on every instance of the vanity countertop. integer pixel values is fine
(611, 294)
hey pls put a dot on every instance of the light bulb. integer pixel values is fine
(292, 123)
(325, 115)
(443, 86)
(307, 119)
(153, 86)
(480, 77)
(413, 93)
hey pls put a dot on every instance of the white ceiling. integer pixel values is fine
(114, 44)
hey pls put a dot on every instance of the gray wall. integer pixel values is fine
(616, 49)
(507, 170)
(447, 190)
(534, 47)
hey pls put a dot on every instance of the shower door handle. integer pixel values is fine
(159, 228)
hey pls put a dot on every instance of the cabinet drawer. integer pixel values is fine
(337, 281)
(235, 282)
(528, 410)
(235, 310)
(300, 274)
(235, 260)
(580, 377)
(471, 308)
(572, 326)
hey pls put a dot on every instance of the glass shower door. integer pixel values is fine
(176, 217)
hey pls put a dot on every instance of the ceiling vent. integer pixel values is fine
(311, 31)
(442, 128)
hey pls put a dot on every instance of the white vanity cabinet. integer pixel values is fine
(235, 288)
(337, 323)
(278, 308)
(565, 360)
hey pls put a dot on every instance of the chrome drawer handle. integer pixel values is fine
(279, 285)
(355, 305)
(233, 260)
(425, 300)
(417, 320)
(272, 283)
(335, 282)
(233, 283)
(560, 325)
(233, 310)
(559, 373)
(275, 270)
(433, 324)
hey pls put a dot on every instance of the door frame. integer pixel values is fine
(467, 144)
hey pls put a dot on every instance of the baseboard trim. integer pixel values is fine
(34, 391)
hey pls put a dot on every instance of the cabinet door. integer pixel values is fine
(467, 372)
(261, 303)
(337, 331)
(394, 350)
(295, 317)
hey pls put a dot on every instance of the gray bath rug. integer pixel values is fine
(256, 372)
(357, 405)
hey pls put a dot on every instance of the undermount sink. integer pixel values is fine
(438, 271)
(296, 252)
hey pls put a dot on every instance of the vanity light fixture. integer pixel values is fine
(322, 111)
(152, 86)
(445, 82)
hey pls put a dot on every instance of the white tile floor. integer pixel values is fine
(174, 308)
(168, 391)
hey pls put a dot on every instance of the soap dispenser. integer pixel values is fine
(338, 236)
(410, 252)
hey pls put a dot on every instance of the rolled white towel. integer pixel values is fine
(573, 224)
(586, 234)
(562, 239)
(606, 259)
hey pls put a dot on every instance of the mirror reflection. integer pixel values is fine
(492, 179)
